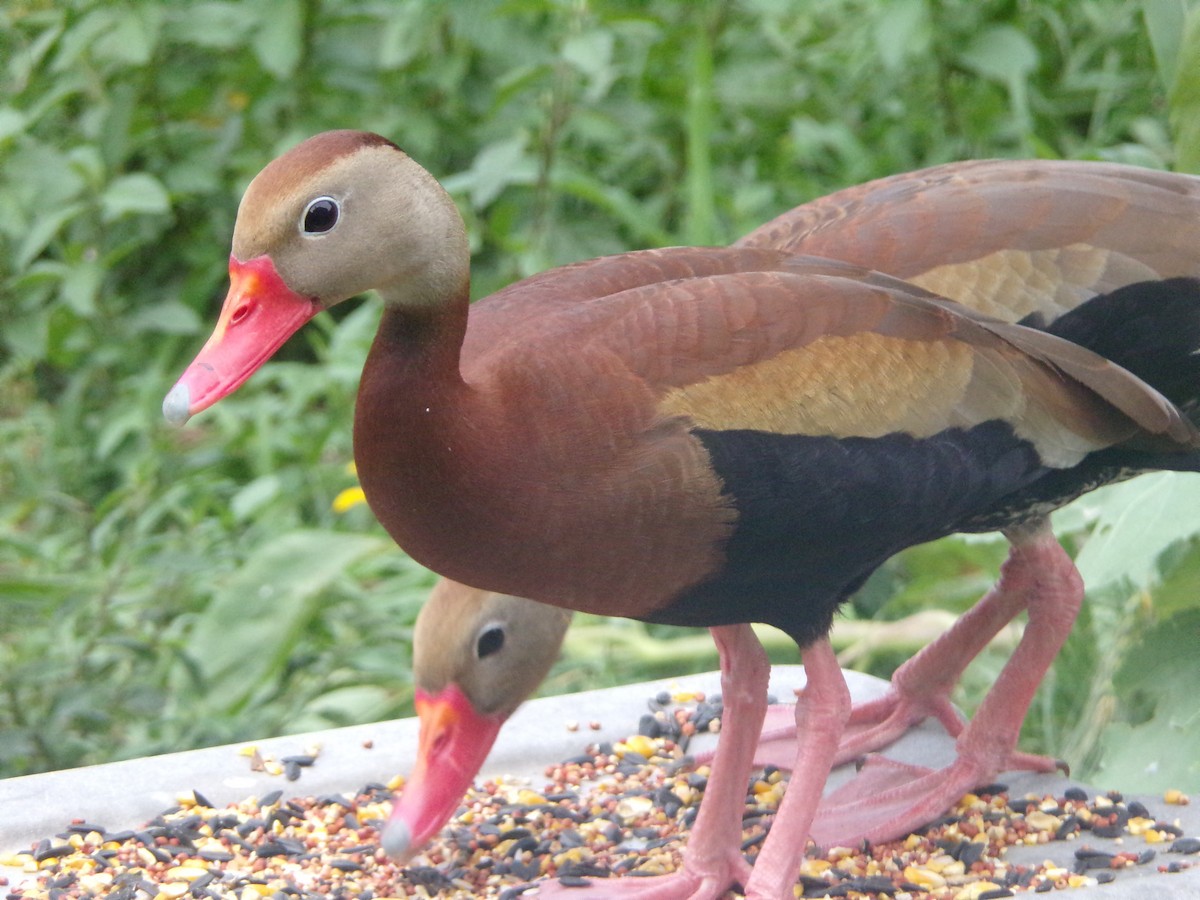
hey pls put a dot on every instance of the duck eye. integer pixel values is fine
(320, 215)
(490, 641)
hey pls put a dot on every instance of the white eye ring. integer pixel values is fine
(490, 639)
(320, 216)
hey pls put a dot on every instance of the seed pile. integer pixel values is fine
(615, 809)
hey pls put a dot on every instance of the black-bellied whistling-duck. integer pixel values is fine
(716, 436)
(476, 656)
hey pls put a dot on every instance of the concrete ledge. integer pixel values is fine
(126, 794)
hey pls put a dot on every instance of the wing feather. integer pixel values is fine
(1006, 237)
(820, 348)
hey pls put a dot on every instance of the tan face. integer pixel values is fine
(337, 220)
(495, 647)
(342, 213)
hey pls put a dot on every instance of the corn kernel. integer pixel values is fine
(926, 878)
(974, 889)
(1042, 821)
(1139, 825)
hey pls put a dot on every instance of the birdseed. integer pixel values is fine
(617, 809)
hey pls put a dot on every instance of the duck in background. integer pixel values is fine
(477, 656)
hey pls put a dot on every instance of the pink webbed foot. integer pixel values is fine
(879, 723)
(876, 725)
(777, 744)
(886, 801)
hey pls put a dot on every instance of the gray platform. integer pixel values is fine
(126, 794)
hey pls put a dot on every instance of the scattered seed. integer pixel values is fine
(1185, 845)
(1175, 797)
(603, 812)
(52, 851)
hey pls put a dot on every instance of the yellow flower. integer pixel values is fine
(348, 499)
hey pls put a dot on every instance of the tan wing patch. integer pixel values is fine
(1010, 284)
(1060, 418)
(864, 385)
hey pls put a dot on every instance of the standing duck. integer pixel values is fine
(718, 436)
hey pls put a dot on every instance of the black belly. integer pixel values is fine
(817, 515)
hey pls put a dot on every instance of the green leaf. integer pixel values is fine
(1165, 26)
(346, 706)
(1180, 588)
(1136, 522)
(22, 65)
(165, 317)
(132, 38)
(1001, 53)
(902, 30)
(12, 122)
(1162, 749)
(136, 194)
(404, 33)
(496, 166)
(279, 38)
(82, 35)
(221, 24)
(118, 426)
(246, 633)
(81, 285)
(255, 495)
(614, 201)
(1184, 99)
(591, 53)
(44, 229)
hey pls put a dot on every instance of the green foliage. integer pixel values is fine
(165, 588)
(1185, 98)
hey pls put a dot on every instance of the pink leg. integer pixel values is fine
(821, 713)
(1044, 577)
(713, 860)
(921, 687)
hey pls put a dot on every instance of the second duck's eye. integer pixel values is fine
(320, 215)
(490, 641)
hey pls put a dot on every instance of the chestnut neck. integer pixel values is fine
(422, 436)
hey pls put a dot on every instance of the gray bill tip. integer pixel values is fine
(175, 406)
(396, 840)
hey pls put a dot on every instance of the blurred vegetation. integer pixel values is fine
(164, 588)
